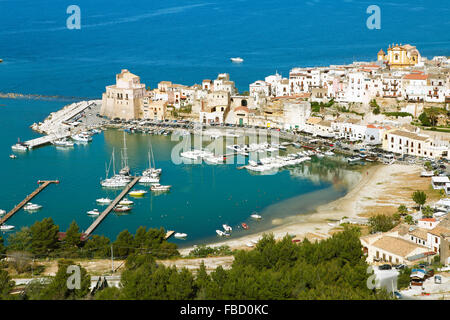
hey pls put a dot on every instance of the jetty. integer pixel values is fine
(108, 210)
(44, 140)
(169, 233)
(42, 185)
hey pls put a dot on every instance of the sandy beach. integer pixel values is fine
(381, 189)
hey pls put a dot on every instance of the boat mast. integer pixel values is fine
(125, 156)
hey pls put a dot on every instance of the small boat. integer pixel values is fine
(220, 233)
(82, 137)
(159, 187)
(137, 193)
(256, 216)
(2, 212)
(120, 208)
(179, 235)
(126, 202)
(6, 227)
(237, 60)
(94, 212)
(245, 226)
(250, 245)
(19, 147)
(32, 207)
(427, 174)
(13, 156)
(63, 143)
(227, 228)
(104, 201)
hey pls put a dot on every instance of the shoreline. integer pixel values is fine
(315, 225)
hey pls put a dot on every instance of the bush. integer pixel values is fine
(381, 223)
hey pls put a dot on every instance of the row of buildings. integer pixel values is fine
(285, 103)
(402, 74)
(407, 244)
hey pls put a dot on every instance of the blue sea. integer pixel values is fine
(184, 42)
(187, 41)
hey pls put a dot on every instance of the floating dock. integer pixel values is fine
(113, 204)
(42, 185)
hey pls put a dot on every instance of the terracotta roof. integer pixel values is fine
(241, 108)
(313, 120)
(428, 219)
(397, 246)
(416, 76)
(438, 230)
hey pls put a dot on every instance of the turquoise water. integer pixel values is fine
(203, 197)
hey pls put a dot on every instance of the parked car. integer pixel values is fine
(385, 267)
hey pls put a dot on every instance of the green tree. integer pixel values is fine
(381, 223)
(409, 220)
(20, 240)
(110, 293)
(419, 197)
(2, 248)
(44, 237)
(58, 288)
(427, 212)
(6, 285)
(124, 244)
(404, 278)
(97, 247)
(425, 120)
(402, 210)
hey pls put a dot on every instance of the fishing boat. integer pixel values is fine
(104, 201)
(6, 227)
(120, 208)
(137, 193)
(245, 226)
(2, 212)
(159, 187)
(93, 212)
(227, 228)
(126, 202)
(32, 207)
(256, 216)
(179, 235)
(237, 60)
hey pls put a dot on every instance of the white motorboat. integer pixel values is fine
(250, 245)
(63, 143)
(329, 153)
(32, 207)
(82, 137)
(13, 156)
(120, 208)
(159, 187)
(237, 60)
(227, 228)
(179, 235)
(94, 212)
(6, 227)
(104, 201)
(214, 160)
(256, 216)
(151, 178)
(126, 202)
(2, 212)
(19, 147)
(220, 233)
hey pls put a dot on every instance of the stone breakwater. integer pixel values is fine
(13, 95)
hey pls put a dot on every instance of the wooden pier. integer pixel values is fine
(113, 204)
(42, 185)
(169, 233)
